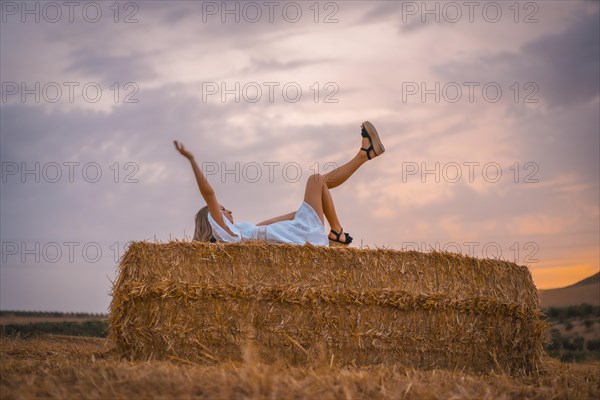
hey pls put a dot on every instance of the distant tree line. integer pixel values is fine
(56, 314)
(96, 325)
(561, 314)
(97, 328)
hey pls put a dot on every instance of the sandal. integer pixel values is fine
(337, 241)
(369, 131)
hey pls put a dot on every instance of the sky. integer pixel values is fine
(489, 113)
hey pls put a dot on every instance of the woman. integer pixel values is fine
(215, 223)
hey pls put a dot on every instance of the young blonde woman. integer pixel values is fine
(306, 225)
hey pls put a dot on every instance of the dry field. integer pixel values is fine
(67, 368)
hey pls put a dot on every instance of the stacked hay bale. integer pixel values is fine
(202, 301)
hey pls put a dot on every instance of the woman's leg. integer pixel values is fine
(330, 214)
(317, 193)
(313, 194)
(318, 196)
(339, 175)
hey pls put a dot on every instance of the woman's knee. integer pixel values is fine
(314, 188)
(316, 179)
(314, 193)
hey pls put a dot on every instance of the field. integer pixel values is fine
(183, 331)
(68, 367)
(574, 332)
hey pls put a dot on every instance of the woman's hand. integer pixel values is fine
(182, 150)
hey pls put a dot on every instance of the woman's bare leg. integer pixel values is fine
(318, 196)
(339, 175)
(330, 213)
(313, 194)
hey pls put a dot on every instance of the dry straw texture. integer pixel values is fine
(61, 367)
(306, 304)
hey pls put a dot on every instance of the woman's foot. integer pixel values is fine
(364, 145)
(339, 237)
(371, 143)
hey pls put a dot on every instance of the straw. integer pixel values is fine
(200, 301)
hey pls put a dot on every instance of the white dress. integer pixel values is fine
(306, 227)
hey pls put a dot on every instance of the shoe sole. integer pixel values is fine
(377, 145)
(333, 243)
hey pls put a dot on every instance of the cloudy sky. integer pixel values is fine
(489, 115)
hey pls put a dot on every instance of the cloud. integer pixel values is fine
(566, 64)
(266, 65)
(406, 14)
(108, 67)
(563, 65)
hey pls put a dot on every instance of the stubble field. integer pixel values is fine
(71, 367)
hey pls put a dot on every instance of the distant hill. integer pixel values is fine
(586, 291)
(588, 281)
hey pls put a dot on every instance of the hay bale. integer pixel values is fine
(303, 304)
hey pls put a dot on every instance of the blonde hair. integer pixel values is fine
(203, 231)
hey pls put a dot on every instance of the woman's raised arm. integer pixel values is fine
(206, 190)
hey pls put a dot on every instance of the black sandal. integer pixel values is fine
(337, 241)
(367, 132)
